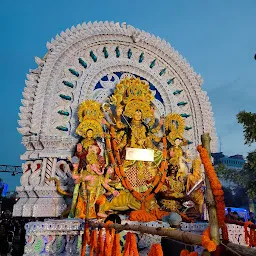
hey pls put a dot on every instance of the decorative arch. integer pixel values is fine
(76, 62)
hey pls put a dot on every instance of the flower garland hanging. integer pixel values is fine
(110, 233)
(116, 250)
(130, 248)
(156, 250)
(216, 189)
(93, 244)
(100, 244)
(207, 243)
(185, 252)
(158, 180)
(250, 239)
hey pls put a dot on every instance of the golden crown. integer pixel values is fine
(176, 125)
(90, 109)
(86, 125)
(135, 94)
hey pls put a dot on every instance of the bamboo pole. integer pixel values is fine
(213, 220)
(176, 234)
(240, 249)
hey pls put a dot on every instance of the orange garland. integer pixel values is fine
(250, 239)
(156, 250)
(93, 245)
(116, 251)
(159, 214)
(216, 189)
(87, 234)
(207, 243)
(109, 239)
(100, 244)
(187, 253)
(158, 179)
(130, 248)
(142, 215)
(184, 252)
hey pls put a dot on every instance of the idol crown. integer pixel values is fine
(91, 110)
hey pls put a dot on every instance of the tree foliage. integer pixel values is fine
(248, 120)
(235, 198)
(246, 178)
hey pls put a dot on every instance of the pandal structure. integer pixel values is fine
(112, 118)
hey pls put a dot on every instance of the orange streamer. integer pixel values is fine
(93, 244)
(156, 250)
(130, 248)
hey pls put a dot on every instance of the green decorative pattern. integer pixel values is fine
(64, 113)
(177, 92)
(162, 71)
(39, 245)
(65, 97)
(170, 81)
(182, 103)
(129, 53)
(73, 72)
(185, 115)
(82, 62)
(117, 52)
(68, 84)
(105, 52)
(141, 58)
(62, 128)
(93, 56)
(153, 63)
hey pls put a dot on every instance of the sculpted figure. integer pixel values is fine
(88, 164)
(172, 190)
(194, 178)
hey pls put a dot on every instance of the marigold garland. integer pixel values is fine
(130, 248)
(159, 214)
(142, 215)
(158, 179)
(250, 239)
(109, 239)
(156, 250)
(93, 244)
(100, 244)
(216, 190)
(116, 250)
(185, 252)
(207, 243)
(87, 234)
(193, 254)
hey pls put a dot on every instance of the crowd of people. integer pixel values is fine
(12, 236)
(234, 216)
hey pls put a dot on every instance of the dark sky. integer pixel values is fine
(216, 37)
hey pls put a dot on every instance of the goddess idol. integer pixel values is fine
(136, 98)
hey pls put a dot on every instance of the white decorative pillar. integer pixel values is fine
(50, 203)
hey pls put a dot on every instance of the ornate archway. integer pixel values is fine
(87, 61)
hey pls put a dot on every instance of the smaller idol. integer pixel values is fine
(88, 163)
